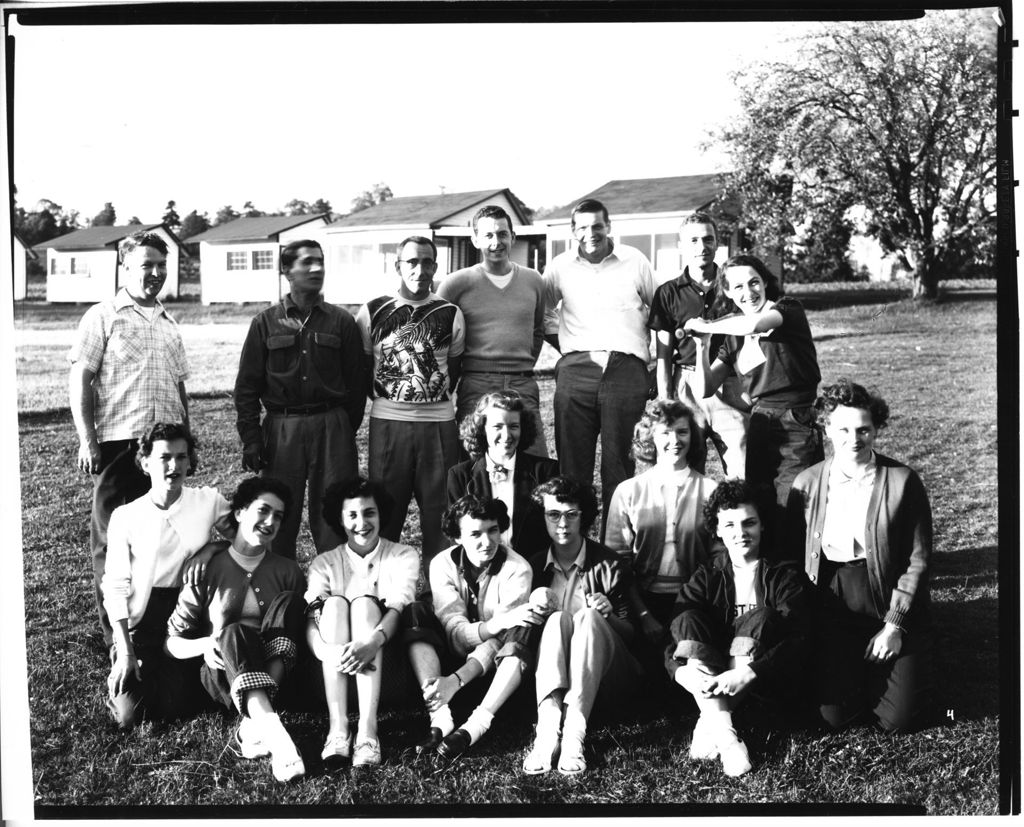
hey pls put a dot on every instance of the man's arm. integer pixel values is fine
(184, 400)
(83, 407)
(248, 386)
(356, 373)
(666, 352)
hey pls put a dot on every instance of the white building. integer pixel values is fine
(82, 266)
(240, 261)
(22, 254)
(361, 249)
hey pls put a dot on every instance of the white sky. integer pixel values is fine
(271, 113)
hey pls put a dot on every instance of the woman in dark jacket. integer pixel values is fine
(864, 524)
(495, 435)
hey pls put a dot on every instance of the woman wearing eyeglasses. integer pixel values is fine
(584, 643)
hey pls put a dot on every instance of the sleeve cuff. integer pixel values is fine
(897, 617)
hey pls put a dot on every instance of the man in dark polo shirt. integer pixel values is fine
(303, 361)
(724, 416)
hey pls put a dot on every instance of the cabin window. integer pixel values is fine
(238, 261)
(263, 260)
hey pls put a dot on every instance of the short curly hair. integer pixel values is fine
(568, 490)
(166, 431)
(851, 395)
(733, 493)
(353, 489)
(663, 412)
(251, 488)
(477, 508)
(472, 430)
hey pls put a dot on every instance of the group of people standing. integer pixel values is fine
(793, 565)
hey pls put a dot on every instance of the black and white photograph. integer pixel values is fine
(537, 409)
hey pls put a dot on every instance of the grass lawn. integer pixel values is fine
(935, 365)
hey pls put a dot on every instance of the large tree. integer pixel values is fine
(194, 224)
(107, 217)
(377, 194)
(171, 217)
(898, 117)
(225, 214)
(48, 220)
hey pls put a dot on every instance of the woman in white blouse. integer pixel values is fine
(154, 543)
(657, 516)
(864, 524)
(356, 595)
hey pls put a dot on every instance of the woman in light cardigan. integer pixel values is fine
(865, 526)
(155, 543)
(657, 516)
(356, 596)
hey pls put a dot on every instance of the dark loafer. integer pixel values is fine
(452, 747)
(431, 743)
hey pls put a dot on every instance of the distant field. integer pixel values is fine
(936, 366)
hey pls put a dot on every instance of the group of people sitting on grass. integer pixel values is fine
(818, 600)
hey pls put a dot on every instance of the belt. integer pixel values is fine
(503, 372)
(688, 367)
(305, 410)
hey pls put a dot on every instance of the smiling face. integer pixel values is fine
(563, 522)
(740, 530)
(697, 243)
(143, 273)
(493, 238)
(416, 266)
(746, 288)
(167, 466)
(672, 441)
(852, 434)
(259, 521)
(480, 539)
(502, 430)
(361, 519)
(306, 274)
(591, 231)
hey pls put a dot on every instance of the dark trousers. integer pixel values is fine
(707, 637)
(847, 685)
(169, 688)
(246, 651)
(781, 442)
(119, 481)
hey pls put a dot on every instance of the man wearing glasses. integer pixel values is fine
(414, 340)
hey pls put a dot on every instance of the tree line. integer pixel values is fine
(49, 219)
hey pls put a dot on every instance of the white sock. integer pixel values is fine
(574, 723)
(719, 718)
(477, 724)
(442, 719)
(549, 720)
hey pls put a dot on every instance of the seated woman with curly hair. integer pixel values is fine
(656, 518)
(245, 618)
(740, 625)
(356, 596)
(155, 543)
(480, 591)
(865, 526)
(495, 435)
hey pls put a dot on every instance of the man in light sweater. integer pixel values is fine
(598, 293)
(503, 305)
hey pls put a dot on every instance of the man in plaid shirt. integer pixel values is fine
(128, 370)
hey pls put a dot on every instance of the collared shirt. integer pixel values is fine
(139, 363)
(846, 512)
(502, 488)
(147, 547)
(675, 303)
(291, 359)
(389, 573)
(568, 585)
(603, 305)
(411, 342)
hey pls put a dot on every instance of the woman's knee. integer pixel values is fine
(365, 610)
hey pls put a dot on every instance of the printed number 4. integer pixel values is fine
(949, 714)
